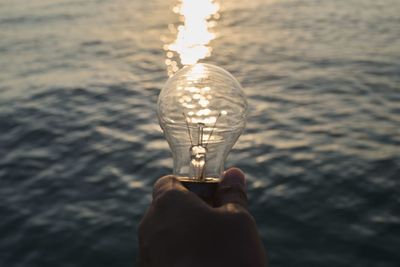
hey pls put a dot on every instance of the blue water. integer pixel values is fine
(80, 145)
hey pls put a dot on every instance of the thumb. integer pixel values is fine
(232, 188)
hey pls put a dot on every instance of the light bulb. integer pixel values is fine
(202, 111)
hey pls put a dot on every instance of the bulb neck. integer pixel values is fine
(199, 152)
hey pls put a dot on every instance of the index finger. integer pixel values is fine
(232, 188)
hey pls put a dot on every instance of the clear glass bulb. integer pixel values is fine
(202, 111)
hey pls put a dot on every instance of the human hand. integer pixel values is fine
(180, 229)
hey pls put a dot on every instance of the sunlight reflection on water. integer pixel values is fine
(192, 35)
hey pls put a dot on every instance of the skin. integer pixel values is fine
(180, 230)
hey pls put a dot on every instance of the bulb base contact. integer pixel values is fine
(204, 188)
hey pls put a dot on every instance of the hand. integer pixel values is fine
(180, 229)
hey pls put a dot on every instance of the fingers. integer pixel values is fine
(232, 188)
(165, 184)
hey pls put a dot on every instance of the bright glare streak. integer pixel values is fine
(194, 34)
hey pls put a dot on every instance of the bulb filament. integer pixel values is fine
(198, 151)
(198, 155)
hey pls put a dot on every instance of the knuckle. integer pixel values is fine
(245, 218)
(240, 215)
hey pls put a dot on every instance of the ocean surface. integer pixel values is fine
(80, 144)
